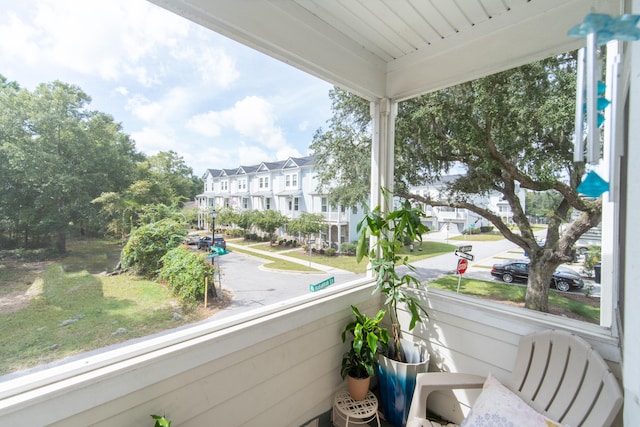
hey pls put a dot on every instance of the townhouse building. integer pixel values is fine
(288, 186)
(457, 220)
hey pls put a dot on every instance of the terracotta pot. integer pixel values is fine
(358, 387)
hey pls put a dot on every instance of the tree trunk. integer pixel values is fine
(540, 272)
(61, 242)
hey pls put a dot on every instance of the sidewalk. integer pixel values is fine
(280, 255)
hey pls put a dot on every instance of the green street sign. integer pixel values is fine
(321, 285)
(217, 250)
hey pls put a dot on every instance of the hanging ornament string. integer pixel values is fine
(597, 29)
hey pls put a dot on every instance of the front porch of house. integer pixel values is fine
(280, 365)
(275, 366)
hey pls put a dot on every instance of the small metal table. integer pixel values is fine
(348, 412)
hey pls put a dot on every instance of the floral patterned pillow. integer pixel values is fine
(497, 406)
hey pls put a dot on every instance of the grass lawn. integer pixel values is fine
(571, 304)
(60, 309)
(349, 263)
(277, 263)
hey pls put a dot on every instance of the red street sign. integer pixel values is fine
(462, 265)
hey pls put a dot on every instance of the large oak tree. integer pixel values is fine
(509, 130)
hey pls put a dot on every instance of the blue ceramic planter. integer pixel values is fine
(397, 380)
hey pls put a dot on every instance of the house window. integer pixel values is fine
(267, 203)
(224, 185)
(263, 182)
(354, 210)
(245, 203)
(324, 205)
(296, 203)
(242, 184)
(291, 180)
(266, 182)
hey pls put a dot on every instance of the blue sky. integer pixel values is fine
(171, 83)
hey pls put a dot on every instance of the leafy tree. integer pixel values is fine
(510, 130)
(174, 179)
(57, 156)
(246, 219)
(147, 245)
(343, 152)
(542, 204)
(269, 221)
(227, 216)
(306, 224)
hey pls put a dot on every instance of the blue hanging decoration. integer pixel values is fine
(623, 27)
(593, 185)
(598, 29)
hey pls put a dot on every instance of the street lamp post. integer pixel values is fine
(214, 214)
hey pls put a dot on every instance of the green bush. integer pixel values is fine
(486, 228)
(592, 256)
(330, 251)
(185, 272)
(348, 248)
(149, 243)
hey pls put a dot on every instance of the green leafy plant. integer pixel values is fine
(148, 244)
(591, 257)
(185, 272)
(368, 338)
(161, 421)
(389, 232)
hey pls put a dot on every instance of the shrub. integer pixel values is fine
(592, 256)
(148, 244)
(185, 272)
(348, 248)
(330, 251)
(486, 228)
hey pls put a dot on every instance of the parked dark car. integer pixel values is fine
(563, 279)
(205, 242)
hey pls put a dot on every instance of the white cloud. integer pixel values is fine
(121, 90)
(168, 107)
(303, 126)
(152, 140)
(112, 39)
(251, 117)
(212, 64)
(207, 124)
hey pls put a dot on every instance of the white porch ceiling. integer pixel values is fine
(397, 48)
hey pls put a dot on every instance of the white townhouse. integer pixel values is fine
(456, 220)
(288, 186)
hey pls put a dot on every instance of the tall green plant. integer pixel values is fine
(390, 231)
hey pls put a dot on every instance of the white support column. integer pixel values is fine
(631, 244)
(383, 115)
(609, 170)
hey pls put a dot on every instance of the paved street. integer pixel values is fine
(254, 286)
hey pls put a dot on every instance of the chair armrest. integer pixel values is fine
(432, 381)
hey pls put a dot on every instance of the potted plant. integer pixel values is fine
(390, 233)
(358, 364)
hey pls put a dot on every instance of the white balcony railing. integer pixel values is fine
(275, 366)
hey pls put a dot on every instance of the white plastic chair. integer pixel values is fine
(557, 373)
